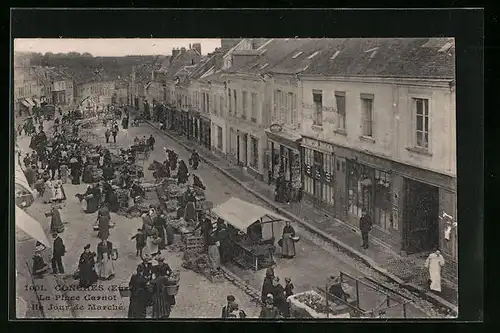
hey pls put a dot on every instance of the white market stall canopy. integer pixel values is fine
(31, 226)
(241, 214)
(19, 176)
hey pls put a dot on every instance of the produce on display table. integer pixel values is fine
(310, 304)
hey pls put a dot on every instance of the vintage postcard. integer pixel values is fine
(235, 178)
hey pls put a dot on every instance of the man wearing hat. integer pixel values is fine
(86, 266)
(162, 269)
(59, 250)
(146, 267)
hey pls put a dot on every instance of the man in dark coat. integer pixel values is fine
(59, 250)
(194, 160)
(114, 132)
(222, 236)
(53, 166)
(151, 142)
(86, 267)
(365, 225)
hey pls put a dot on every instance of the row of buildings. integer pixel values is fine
(58, 86)
(356, 124)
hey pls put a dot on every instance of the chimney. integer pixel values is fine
(183, 49)
(197, 47)
(175, 53)
(190, 46)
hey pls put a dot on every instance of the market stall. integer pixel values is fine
(252, 231)
(345, 296)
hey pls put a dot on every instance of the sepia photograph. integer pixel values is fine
(235, 178)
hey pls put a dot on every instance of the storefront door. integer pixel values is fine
(421, 221)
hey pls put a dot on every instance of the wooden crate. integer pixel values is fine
(194, 244)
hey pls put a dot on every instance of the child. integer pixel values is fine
(140, 242)
(288, 287)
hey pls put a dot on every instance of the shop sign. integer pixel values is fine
(328, 177)
(275, 128)
(308, 169)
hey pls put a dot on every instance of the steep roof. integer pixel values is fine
(184, 61)
(375, 57)
(386, 57)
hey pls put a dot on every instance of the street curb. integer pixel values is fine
(331, 239)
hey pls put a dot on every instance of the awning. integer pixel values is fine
(286, 138)
(30, 101)
(31, 226)
(25, 103)
(241, 214)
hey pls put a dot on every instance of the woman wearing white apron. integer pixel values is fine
(105, 266)
(151, 243)
(48, 192)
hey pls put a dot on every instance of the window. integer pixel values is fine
(244, 104)
(235, 102)
(229, 102)
(367, 114)
(296, 55)
(254, 157)
(318, 108)
(277, 105)
(340, 101)
(422, 124)
(293, 111)
(208, 102)
(221, 105)
(219, 137)
(254, 108)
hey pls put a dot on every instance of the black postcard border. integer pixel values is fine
(466, 25)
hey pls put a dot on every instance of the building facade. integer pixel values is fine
(386, 147)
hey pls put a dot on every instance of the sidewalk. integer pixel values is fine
(406, 271)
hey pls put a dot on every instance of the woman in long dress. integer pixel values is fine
(151, 243)
(86, 267)
(138, 295)
(56, 224)
(161, 306)
(182, 174)
(76, 171)
(288, 249)
(59, 190)
(48, 191)
(435, 263)
(105, 267)
(103, 220)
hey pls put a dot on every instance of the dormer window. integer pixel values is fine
(296, 55)
(313, 55)
(335, 55)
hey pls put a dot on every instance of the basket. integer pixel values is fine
(172, 290)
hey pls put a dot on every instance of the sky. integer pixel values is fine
(111, 47)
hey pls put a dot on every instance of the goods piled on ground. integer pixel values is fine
(178, 224)
(310, 304)
(171, 205)
(201, 264)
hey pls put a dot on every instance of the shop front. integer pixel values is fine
(204, 131)
(284, 159)
(319, 177)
